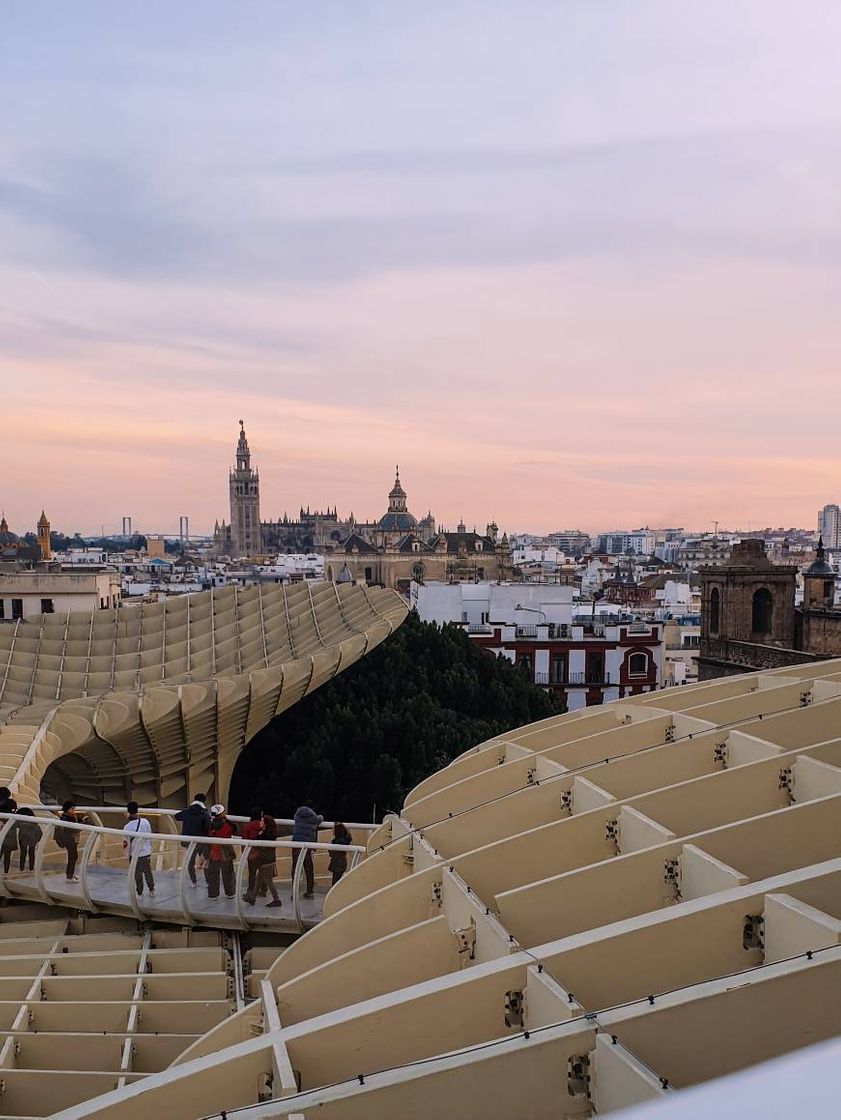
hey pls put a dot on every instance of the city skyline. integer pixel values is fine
(565, 263)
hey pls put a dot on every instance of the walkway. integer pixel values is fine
(106, 881)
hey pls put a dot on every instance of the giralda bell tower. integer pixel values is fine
(245, 502)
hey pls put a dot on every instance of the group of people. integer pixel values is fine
(21, 837)
(218, 860)
(204, 826)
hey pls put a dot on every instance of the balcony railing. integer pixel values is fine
(575, 680)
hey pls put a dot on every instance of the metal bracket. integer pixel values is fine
(721, 753)
(670, 733)
(466, 939)
(806, 699)
(514, 1009)
(785, 781)
(611, 832)
(437, 900)
(264, 1087)
(578, 1075)
(531, 776)
(408, 859)
(671, 876)
(566, 802)
(753, 932)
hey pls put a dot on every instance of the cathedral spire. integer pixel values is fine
(243, 454)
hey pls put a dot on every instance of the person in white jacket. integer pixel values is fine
(136, 827)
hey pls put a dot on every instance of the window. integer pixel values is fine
(369, 574)
(46, 606)
(761, 613)
(524, 663)
(638, 665)
(715, 611)
(557, 669)
(17, 608)
(2, 608)
(594, 668)
(828, 589)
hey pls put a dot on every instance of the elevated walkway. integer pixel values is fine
(105, 879)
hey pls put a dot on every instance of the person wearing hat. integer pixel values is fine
(220, 863)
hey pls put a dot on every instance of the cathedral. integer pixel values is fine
(393, 550)
(749, 619)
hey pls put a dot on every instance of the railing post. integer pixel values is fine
(87, 850)
(296, 883)
(243, 860)
(4, 832)
(47, 830)
(186, 912)
(132, 885)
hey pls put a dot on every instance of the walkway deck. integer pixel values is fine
(108, 891)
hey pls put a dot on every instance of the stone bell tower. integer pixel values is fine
(43, 536)
(244, 486)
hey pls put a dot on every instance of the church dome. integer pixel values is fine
(397, 519)
(819, 566)
(7, 537)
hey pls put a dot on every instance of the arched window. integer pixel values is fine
(638, 665)
(761, 614)
(715, 611)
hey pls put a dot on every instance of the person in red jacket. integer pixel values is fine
(220, 864)
(251, 831)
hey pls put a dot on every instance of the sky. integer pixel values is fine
(571, 263)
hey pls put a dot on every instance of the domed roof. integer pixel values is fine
(7, 537)
(819, 566)
(397, 519)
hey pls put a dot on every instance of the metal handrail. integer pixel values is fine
(363, 826)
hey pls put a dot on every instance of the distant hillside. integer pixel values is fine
(422, 697)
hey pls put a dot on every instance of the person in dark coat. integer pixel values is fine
(10, 840)
(195, 821)
(305, 828)
(29, 836)
(68, 838)
(338, 860)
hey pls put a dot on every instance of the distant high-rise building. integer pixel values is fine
(829, 526)
(245, 502)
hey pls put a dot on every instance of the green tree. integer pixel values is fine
(363, 740)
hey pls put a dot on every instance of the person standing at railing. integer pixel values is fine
(136, 827)
(195, 821)
(338, 860)
(305, 829)
(29, 836)
(220, 864)
(263, 862)
(68, 838)
(10, 840)
(251, 831)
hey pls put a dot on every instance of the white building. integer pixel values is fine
(829, 526)
(588, 660)
(43, 591)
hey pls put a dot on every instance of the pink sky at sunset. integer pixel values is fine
(570, 265)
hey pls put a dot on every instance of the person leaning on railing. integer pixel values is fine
(195, 821)
(261, 866)
(10, 840)
(68, 838)
(29, 836)
(305, 830)
(338, 860)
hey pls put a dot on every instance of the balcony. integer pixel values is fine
(575, 680)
